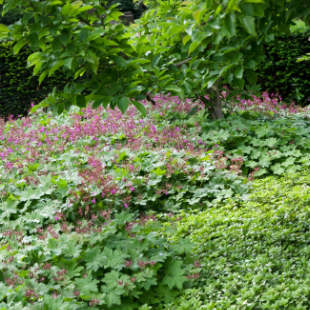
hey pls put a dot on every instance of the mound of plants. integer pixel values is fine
(253, 253)
(259, 136)
(79, 197)
(260, 144)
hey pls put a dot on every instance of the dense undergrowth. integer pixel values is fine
(101, 210)
(254, 253)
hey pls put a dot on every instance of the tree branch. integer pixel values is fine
(178, 64)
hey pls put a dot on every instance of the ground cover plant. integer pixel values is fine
(159, 208)
(98, 208)
(254, 253)
(80, 194)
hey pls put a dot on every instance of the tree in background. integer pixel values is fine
(205, 46)
(189, 48)
(85, 41)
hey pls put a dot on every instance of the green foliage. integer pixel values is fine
(118, 261)
(265, 145)
(80, 39)
(136, 7)
(281, 73)
(299, 26)
(254, 254)
(173, 180)
(9, 18)
(18, 88)
(183, 47)
(204, 46)
(79, 192)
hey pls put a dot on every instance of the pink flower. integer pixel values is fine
(93, 201)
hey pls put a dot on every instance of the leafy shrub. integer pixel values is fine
(260, 144)
(254, 253)
(115, 260)
(281, 73)
(115, 160)
(18, 88)
(79, 193)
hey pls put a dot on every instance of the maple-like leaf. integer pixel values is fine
(174, 275)
(87, 285)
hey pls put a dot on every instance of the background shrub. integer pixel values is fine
(9, 18)
(282, 74)
(263, 145)
(18, 88)
(137, 8)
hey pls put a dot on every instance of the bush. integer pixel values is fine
(260, 144)
(281, 73)
(254, 254)
(79, 197)
(111, 260)
(74, 230)
(18, 88)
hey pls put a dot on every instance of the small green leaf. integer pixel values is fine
(123, 104)
(18, 46)
(42, 77)
(193, 46)
(248, 22)
(140, 107)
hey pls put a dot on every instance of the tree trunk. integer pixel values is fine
(214, 104)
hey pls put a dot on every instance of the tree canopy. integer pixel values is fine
(189, 48)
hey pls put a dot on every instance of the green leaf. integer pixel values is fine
(193, 46)
(140, 107)
(277, 169)
(174, 275)
(255, 1)
(86, 286)
(18, 46)
(175, 90)
(197, 15)
(94, 259)
(42, 76)
(248, 22)
(80, 101)
(55, 66)
(33, 59)
(186, 39)
(4, 30)
(123, 104)
(113, 259)
(239, 72)
(231, 25)
(68, 63)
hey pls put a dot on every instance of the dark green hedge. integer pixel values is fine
(137, 8)
(8, 18)
(18, 88)
(282, 73)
